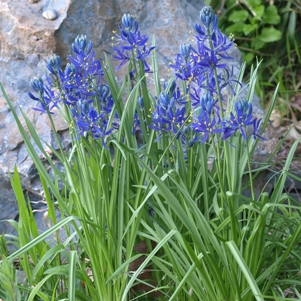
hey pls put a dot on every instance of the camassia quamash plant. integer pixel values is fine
(164, 169)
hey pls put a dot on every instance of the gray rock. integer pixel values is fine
(8, 210)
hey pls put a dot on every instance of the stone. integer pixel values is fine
(8, 210)
(33, 1)
(50, 14)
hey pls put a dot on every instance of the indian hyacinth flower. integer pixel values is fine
(84, 59)
(131, 42)
(46, 98)
(195, 114)
(240, 120)
(196, 64)
(81, 86)
(89, 121)
(205, 126)
(166, 116)
(202, 66)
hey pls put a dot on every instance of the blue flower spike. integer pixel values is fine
(192, 114)
(131, 42)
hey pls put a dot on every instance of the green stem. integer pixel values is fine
(250, 171)
(220, 101)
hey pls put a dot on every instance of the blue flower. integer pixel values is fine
(183, 68)
(46, 97)
(82, 76)
(240, 121)
(172, 88)
(257, 129)
(200, 65)
(221, 44)
(88, 121)
(121, 55)
(131, 39)
(166, 116)
(105, 99)
(143, 54)
(207, 103)
(87, 64)
(204, 126)
(134, 41)
(164, 100)
(80, 86)
(141, 102)
(136, 124)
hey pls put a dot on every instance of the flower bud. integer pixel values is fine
(129, 23)
(141, 102)
(208, 18)
(243, 106)
(172, 87)
(83, 106)
(207, 102)
(37, 85)
(54, 64)
(164, 100)
(103, 92)
(80, 44)
(185, 50)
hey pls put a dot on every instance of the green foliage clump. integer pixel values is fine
(154, 202)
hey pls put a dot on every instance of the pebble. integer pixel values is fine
(50, 14)
(33, 1)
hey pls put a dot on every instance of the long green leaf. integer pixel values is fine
(41, 237)
(71, 279)
(245, 270)
(145, 263)
(37, 288)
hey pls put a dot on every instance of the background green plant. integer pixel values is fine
(256, 24)
(268, 31)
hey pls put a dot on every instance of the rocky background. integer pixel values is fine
(33, 30)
